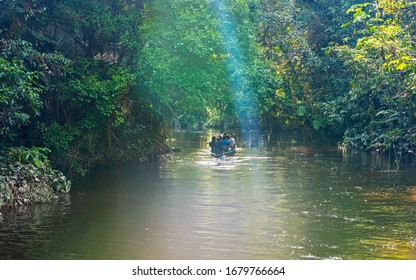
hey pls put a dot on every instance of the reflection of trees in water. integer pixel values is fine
(251, 139)
(26, 230)
(273, 139)
(412, 194)
(285, 199)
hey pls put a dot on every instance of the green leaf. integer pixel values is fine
(37, 162)
(317, 124)
(301, 111)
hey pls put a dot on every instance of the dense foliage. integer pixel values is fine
(381, 107)
(27, 177)
(69, 93)
(70, 81)
(98, 81)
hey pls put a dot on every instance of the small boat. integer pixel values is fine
(222, 145)
(226, 152)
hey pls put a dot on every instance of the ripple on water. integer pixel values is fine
(281, 201)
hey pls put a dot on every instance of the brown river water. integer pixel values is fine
(277, 198)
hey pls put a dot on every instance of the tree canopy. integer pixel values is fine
(101, 80)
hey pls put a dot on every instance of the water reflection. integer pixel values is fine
(27, 229)
(281, 199)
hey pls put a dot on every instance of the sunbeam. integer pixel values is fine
(242, 93)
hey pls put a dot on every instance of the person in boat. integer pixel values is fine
(212, 143)
(232, 140)
(218, 148)
(226, 144)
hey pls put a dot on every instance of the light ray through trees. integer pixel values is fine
(243, 95)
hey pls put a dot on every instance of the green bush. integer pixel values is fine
(26, 177)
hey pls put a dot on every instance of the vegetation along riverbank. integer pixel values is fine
(87, 82)
(26, 177)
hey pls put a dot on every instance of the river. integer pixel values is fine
(277, 198)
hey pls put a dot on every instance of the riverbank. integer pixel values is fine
(26, 183)
(27, 176)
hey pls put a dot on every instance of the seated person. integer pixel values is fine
(232, 141)
(212, 143)
(218, 149)
(226, 143)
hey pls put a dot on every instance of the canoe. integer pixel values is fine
(229, 152)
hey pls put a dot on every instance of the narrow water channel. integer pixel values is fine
(277, 198)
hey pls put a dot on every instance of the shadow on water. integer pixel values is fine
(277, 198)
(26, 231)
